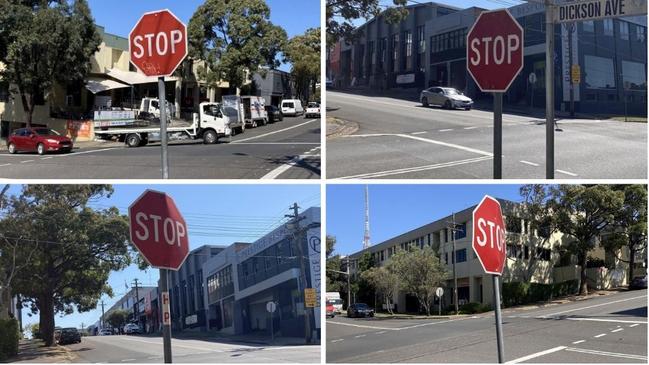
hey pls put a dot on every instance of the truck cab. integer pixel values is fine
(150, 109)
(214, 122)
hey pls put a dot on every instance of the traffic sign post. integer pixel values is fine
(439, 292)
(158, 45)
(495, 58)
(271, 307)
(490, 247)
(160, 234)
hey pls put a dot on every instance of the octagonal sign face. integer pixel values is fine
(158, 230)
(489, 235)
(495, 50)
(158, 43)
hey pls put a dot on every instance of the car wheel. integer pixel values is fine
(40, 149)
(133, 140)
(424, 102)
(447, 104)
(12, 148)
(210, 137)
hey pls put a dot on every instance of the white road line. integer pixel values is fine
(580, 341)
(633, 325)
(363, 326)
(566, 173)
(28, 161)
(468, 128)
(338, 340)
(7, 164)
(605, 353)
(154, 357)
(600, 335)
(46, 158)
(86, 152)
(275, 132)
(434, 323)
(359, 336)
(529, 163)
(593, 306)
(427, 140)
(608, 320)
(446, 130)
(417, 133)
(128, 360)
(380, 332)
(416, 169)
(535, 355)
(282, 169)
(177, 345)
(618, 330)
(279, 143)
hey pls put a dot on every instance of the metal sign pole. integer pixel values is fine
(499, 324)
(272, 329)
(163, 126)
(498, 135)
(549, 90)
(166, 323)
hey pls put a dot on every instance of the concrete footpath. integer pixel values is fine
(33, 351)
(253, 339)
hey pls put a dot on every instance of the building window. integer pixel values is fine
(589, 26)
(460, 231)
(624, 31)
(383, 45)
(640, 33)
(460, 255)
(599, 72)
(408, 43)
(608, 27)
(372, 51)
(395, 53)
(446, 258)
(633, 75)
(421, 39)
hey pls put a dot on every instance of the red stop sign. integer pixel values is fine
(489, 235)
(158, 230)
(495, 50)
(158, 43)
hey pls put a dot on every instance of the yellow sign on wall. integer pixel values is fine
(575, 74)
(310, 298)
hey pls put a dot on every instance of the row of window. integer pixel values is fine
(623, 27)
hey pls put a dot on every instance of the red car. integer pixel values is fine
(40, 140)
(331, 312)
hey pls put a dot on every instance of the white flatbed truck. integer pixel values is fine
(210, 124)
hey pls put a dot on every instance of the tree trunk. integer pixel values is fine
(631, 263)
(46, 310)
(583, 286)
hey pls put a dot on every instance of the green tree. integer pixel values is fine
(76, 247)
(234, 38)
(584, 213)
(303, 52)
(117, 319)
(630, 227)
(419, 273)
(334, 280)
(341, 14)
(385, 281)
(43, 43)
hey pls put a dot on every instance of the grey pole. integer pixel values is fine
(498, 135)
(272, 330)
(572, 84)
(349, 290)
(163, 126)
(166, 328)
(457, 309)
(549, 90)
(499, 323)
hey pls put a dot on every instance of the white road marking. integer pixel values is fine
(7, 164)
(446, 130)
(580, 341)
(433, 323)
(279, 143)
(46, 158)
(154, 357)
(605, 353)
(468, 128)
(427, 140)
(536, 354)
(618, 330)
(600, 335)
(417, 133)
(338, 340)
(416, 169)
(176, 344)
(566, 173)
(529, 163)
(363, 326)
(608, 320)
(128, 360)
(359, 336)
(380, 332)
(282, 169)
(28, 161)
(593, 306)
(275, 132)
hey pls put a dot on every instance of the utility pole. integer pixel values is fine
(295, 225)
(549, 90)
(102, 314)
(453, 256)
(571, 29)
(136, 306)
(349, 285)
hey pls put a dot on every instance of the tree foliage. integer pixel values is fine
(75, 248)
(385, 281)
(303, 52)
(43, 43)
(341, 14)
(419, 273)
(234, 38)
(117, 318)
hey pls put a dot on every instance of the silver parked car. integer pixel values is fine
(446, 97)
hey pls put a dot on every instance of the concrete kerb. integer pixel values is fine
(338, 127)
(559, 301)
(33, 351)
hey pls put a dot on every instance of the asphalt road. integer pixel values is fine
(400, 139)
(285, 150)
(135, 349)
(606, 329)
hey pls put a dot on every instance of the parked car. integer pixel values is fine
(292, 107)
(69, 335)
(40, 140)
(639, 282)
(105, 332)
(57, 334)
(331, 312)
(312, 110)
(446, 97)
(132, 328)
(274, 114)
(359, 310)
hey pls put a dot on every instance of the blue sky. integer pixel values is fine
(206, 208)
(120, 19)
(396, 209)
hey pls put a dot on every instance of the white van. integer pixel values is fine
(333, 298)
(292, 107)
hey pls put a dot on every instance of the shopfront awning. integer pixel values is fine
(135, 78)
(96, 85)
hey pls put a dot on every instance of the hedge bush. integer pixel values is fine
(9, 336)
(522, 293)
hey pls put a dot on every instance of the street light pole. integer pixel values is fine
(549, 90)
(453, 256)
(296, 236)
